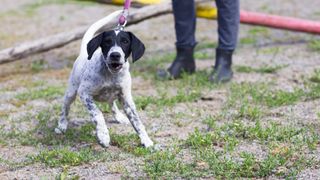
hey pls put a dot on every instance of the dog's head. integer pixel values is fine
(116, 47)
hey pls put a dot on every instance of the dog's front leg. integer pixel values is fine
(131, 112)
(97, 118)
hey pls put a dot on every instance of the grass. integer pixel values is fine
(284, 157)
(248, 111)
(265, 95)
(248, 167)
(259, 31)
(266, 134)
(37, 66)
(267, 69)
(316, 76)
(129, 143)
(206, 45)
(43, 132)
(203, 55)
(165, 100)
(261, 94)
(314, 45)
(254, 34)
(164, 164)
(248, 40)
(47, 93)
(64, 175)
(270, 50)
(65, 157)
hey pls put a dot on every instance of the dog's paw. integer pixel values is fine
(146, 142)
(60, 129)
(103, 137)
(121, 118)
(62, 126)
(57, 130)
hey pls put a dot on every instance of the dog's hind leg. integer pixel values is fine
(69, 97)
(118, 116)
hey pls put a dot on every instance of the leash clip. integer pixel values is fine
(120, 27)
(122, 20)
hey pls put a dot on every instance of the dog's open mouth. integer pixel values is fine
(115, 66)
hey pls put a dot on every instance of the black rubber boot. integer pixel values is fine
(184, 62)
(222, 71)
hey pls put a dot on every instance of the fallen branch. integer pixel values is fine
(55, 41)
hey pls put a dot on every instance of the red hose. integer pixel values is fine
(280, 22)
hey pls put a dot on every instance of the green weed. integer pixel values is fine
(165, 100)
(314, 45)
(43, 132)
(164, 164)
(271, 50)
(206, 45)
(37, 66)
(254, 34)
(248, 40)
(198, 139)
(263, 95)
(259, 31)
(285, 143)
(312, 91)
(203, 55)
(64, 157)
(129, 143)
(248, 111)
(316, 76)
(47, 93)
(263, 69)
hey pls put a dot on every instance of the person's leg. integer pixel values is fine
(228, 27)
(185, 24)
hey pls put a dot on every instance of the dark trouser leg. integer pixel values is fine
(228, 23)
(185, 24)
(228, 27)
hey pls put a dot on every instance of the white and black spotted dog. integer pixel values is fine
(101, 73)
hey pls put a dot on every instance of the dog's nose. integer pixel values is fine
(115, 56)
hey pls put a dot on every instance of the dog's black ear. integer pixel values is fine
(137, 47)
(93, 45)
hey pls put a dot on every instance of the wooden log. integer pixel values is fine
(55, 41)
(41, 45)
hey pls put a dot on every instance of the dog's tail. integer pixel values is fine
(94, 28)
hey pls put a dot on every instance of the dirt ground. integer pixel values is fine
(32, 92)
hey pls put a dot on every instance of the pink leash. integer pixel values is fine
(125, 13)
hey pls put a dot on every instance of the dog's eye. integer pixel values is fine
(124, 41)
